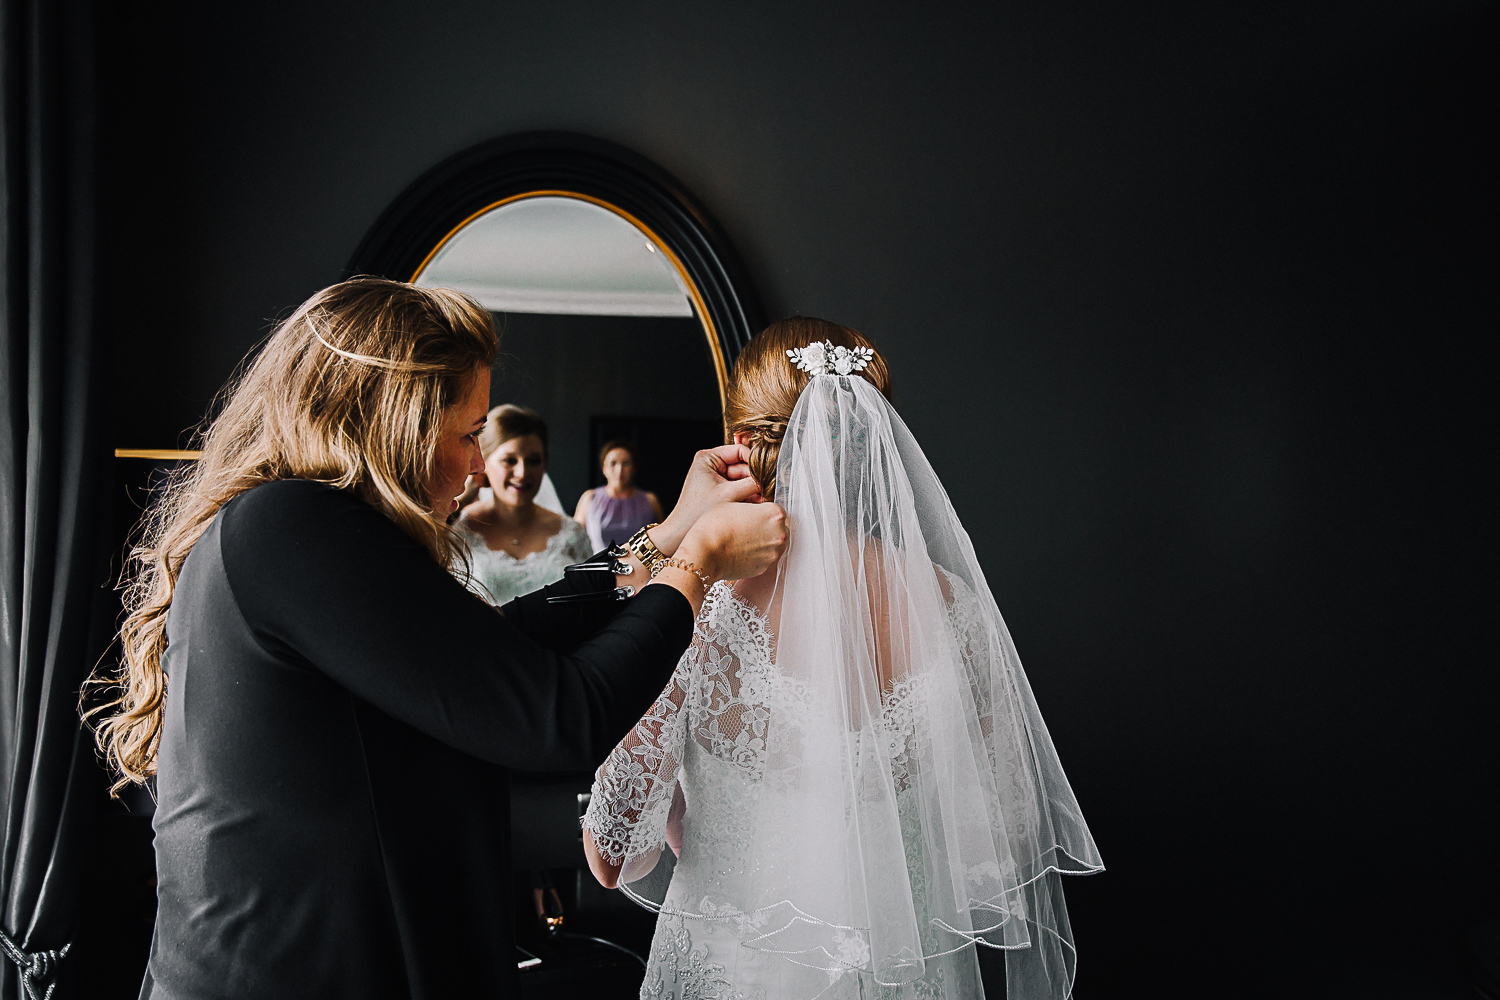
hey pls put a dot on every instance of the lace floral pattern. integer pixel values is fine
(717, 696)
(499, 577)
(678, 971)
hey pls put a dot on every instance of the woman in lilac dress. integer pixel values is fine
(617, 510)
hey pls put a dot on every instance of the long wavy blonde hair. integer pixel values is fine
(765, 385)
(349, 391)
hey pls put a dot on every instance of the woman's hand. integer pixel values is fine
(607, 874)
(717, 475)
(736, 541)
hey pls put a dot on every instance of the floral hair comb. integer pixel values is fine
(825, 359)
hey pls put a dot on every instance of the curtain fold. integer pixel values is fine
(54, 617)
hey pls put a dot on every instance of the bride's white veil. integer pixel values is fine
(911, 803)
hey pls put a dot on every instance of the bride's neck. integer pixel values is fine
(757, 589)
(504, 513)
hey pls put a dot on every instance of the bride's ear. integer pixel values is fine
(742, 438)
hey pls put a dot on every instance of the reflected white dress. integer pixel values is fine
(498, 577)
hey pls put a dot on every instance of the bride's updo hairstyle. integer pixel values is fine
(765, 385)
(349, 391)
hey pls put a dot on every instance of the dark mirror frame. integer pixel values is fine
(481, 177)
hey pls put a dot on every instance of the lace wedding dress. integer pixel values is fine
(864, 788)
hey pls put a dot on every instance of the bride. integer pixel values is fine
(518, 541)
(848, 761)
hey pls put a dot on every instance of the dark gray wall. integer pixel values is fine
(1181, 301)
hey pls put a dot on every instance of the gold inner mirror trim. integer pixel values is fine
(164, 454)
(721, 371)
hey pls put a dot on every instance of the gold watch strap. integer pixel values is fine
(645, 549)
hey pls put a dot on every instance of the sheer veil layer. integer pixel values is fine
(897, 797)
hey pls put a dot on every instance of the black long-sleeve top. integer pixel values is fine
(333, 808)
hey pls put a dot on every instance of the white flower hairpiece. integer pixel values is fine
(825, 359)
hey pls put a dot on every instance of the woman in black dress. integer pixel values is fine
(328, 714)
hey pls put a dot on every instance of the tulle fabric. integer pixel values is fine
(547, 497)
(901, 799)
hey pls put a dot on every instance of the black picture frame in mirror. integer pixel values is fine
(480, 178)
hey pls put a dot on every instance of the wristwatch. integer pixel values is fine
(645, 549)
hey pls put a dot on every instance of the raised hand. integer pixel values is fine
(717, 475)
(736, 541)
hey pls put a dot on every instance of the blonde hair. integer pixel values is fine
(508, 421)
(765, 385)
(349, 391)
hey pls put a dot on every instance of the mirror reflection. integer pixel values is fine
(593, 318)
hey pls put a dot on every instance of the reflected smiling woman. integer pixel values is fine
(515, 545)
(328, 714)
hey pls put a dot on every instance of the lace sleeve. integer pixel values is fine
(633, 788)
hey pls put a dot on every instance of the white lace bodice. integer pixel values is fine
(498, 577)
(710, 732)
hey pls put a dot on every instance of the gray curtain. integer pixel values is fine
(53, 602)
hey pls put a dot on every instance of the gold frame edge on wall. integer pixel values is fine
(160, 454)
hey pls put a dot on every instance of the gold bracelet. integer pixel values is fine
(683, 564)
(645, 549)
